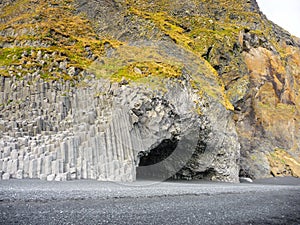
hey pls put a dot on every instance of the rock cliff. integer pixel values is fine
(119, 90)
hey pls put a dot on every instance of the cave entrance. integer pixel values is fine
(145, 170)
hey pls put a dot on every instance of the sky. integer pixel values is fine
(285, 13)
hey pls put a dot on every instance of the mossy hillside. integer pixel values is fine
(138, 64)
(198, 27)
(66, 36)
(175, 31)
(117, 71)
(212, 32)
(13, 10)
(197, 33)
(57, 26)
(153, 64)
(193, 6)
(50, 27)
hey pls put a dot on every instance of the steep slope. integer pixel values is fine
(257, 61)
(92, 89)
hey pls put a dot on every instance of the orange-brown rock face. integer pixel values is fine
(283, 164)
(273, 110)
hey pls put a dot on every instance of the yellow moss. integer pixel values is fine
(239, 89)
(53, 24)
(4, 73)
(133, 68)
(15, 8)
(69, 34)
(11, 56)
(171, 27)
(204, 32)
(167, 24)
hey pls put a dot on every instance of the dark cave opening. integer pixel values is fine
(156, 155)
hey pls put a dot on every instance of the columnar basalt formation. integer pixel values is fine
(112, 90)
(98, 130)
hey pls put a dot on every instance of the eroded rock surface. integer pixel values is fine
(109, 90)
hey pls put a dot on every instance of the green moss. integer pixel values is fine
(117, 69)
(56, 25)
(253, 157)
(239, 89)
(200, 32)
(15, 8)
(173, 27)
(10, 56)
(138, 70)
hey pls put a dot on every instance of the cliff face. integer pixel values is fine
(111, 90)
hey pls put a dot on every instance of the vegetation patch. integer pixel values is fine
(53, 29)
(137, 64)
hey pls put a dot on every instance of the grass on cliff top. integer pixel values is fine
(55, 24)
(9, 56)
(198, 34)
(137, 64)
(53, 27)
(145, 64)
(15, 8)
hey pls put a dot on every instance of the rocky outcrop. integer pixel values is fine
(283, 164)
(102, 130)
(274, 90)
(114, 90)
